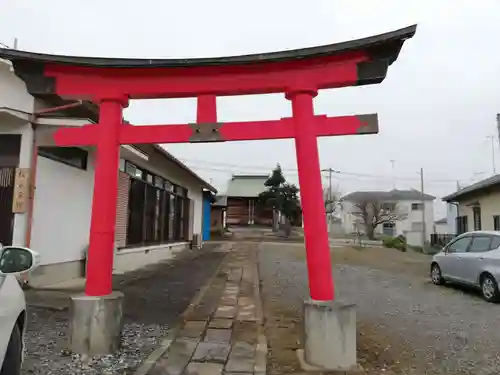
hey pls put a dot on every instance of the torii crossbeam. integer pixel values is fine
(299, 74)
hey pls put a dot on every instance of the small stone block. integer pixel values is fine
(193, 329)
(240, 365)
(218, 335)
(195, 368)
(178, 356)
(242, 358)
(225, 312)
(211, 352)
(260, 355)
(220, 323)
(229, 301)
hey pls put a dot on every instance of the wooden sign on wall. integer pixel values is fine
(21, 191)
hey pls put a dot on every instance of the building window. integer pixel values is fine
(462, 224)
(496, 222)
(133, 171)
(388, 207)
(156, 215)
(159, 182)
(72, 156)
(417, 206)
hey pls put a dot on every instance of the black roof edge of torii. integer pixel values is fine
(387, 46)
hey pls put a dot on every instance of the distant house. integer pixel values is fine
(408, 204)
(242, 196)
(218, 213)
(477, 207)
(441, 226)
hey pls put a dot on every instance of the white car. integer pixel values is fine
(13, 261)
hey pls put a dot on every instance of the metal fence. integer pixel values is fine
(7, 175)
(440, 240)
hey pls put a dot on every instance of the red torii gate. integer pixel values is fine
(111, 83)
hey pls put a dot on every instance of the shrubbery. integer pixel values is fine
(398, 242)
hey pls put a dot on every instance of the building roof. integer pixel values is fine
(474, 188)
(444, 220)
(220, 201)
(393, 195)
(183, 166)
(246, 186)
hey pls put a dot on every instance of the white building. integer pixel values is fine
(406, 204)
(46, 191)
(451, 217)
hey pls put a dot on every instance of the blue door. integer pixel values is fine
(205, 228)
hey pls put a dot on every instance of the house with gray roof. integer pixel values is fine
(475, 207)
(242, 195)
(406, 204)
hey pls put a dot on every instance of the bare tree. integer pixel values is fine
(373, 213)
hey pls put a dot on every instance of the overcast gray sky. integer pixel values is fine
(437, 105)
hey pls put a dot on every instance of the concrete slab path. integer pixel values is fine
(222, 331)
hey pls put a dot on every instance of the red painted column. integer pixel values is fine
(102, 226)
(311, 194)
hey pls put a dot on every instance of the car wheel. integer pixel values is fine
(13, 356)
(436, 276)
(489, 288)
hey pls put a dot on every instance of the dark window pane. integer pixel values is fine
(496, 222)
(480, 244)
(136, 202)
(460, 245)
(495, 242)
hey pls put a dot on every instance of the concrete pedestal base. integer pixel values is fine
(96, 323)
(330, 335)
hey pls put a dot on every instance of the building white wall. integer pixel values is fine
(442, 228)
(61, 215)
(408, 223)
(13, 93)
(451, 216)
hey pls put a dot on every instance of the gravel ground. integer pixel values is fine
(405, 324)
(154, 299)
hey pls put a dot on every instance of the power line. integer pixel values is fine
(226, 167)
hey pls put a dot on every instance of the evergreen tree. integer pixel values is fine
(281, 196)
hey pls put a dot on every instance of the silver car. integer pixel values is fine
(473, 259)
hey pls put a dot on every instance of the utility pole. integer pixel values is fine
(329, 202)
(492, 139)
(393, 175)
(424, 236)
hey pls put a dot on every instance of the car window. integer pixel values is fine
(480, 244)
(460, 245)
(495, 242)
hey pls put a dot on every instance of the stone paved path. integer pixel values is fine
(222, 332)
